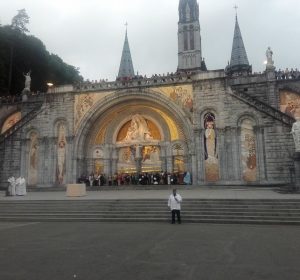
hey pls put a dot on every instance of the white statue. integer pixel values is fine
(296, 134)
(138, 130)
(269, 55)
(27, 80)
(12, 186)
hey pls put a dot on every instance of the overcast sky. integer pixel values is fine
(89, 34)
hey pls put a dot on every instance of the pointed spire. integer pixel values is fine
(126, 66)
(239, 60)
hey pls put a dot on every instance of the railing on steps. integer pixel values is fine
(263, 107)
(27, 118)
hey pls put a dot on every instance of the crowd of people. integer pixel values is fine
(287, 74)
(121, 179)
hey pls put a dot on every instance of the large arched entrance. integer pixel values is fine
(134, 132)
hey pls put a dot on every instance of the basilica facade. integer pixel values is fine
(224, 127)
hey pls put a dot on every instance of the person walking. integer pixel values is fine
(174, 203)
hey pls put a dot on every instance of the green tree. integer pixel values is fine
(24, 53)
(20, 21)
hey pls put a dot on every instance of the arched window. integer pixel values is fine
(248, 151)
(211, 148)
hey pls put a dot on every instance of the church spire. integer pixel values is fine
(189, 39)
(126, 70)
(239, 60)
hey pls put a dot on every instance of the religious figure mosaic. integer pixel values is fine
(211, 149)
(248, 149)
(83, 103)
(61, 154)
(181, 95)
(290, 103)
(11, 121)
(138, 130)
(33, 159)
(151, 159)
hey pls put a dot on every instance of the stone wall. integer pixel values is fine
(212, 92)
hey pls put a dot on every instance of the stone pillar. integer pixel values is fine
(114, 161)
(236, 153)
(107, 166)
(163, 152)
(198, 172)
(24, 158)
(272, 93)
(222, 154)
(169, 164)
(260, 154)
(138, 158)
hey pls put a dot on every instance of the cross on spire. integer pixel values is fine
(236, 9)
(126, 24)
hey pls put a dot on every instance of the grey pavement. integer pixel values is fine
(95, 251)
(196, 193)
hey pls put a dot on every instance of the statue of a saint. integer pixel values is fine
(27, 81)
(269, 55)
(296, 134)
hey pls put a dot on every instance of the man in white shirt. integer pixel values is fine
(174, 203)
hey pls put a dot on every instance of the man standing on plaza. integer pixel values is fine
(174, 203)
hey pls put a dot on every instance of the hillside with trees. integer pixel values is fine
(21, 53)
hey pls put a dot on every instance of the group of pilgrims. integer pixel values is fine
(119, 179)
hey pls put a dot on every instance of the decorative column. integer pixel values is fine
(198, 166)
(138, 158)
(114, 161)
(261, 154)
(222, 154)
(236, 153)
(169, 157)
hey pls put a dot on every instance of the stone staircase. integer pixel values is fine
(221, 211)
(263, 107)
(24, 120)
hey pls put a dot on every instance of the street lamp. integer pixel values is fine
(50, 85)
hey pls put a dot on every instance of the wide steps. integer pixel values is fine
(285, 212)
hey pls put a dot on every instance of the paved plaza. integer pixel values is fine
(111, 251)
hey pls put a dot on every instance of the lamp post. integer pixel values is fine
(50, 85)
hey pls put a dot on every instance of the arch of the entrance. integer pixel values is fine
(133, 132)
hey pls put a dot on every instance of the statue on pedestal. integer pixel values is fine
(296, 134)
(27, 81)
(270, 62)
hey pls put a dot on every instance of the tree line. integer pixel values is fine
(21, 53)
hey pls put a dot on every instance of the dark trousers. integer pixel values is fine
(177, 212)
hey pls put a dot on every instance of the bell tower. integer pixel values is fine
(189, 39)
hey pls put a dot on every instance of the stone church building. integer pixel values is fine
(224, 127)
